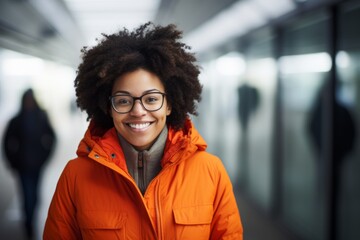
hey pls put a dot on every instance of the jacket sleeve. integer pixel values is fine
(226, 223)
(61, 221)
(11, 144)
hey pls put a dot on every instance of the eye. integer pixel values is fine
(122, 100)
(151, 98)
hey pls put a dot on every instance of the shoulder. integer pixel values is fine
(78, 166)
(42, 115)
(14, 121)
(206, 162)
(75, 173)
(76, 169)
(206, 158)
(83, 169)
(203, 157)
(13, 127)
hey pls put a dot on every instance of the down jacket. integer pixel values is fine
(191, 197)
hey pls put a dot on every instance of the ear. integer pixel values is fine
(168, 110)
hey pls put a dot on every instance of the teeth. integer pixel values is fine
(139, 125)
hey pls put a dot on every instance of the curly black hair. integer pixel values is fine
(151, 47)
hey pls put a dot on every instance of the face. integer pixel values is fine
(139, 127)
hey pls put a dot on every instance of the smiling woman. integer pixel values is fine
(140, 126)
(142, 171)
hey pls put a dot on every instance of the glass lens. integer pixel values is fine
(152, 101)
(122, 103)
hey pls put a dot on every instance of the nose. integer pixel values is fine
(138, 109)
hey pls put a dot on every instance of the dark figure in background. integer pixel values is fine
(344, 130)
(249, 99)
(342, 142)
(248, 103)
(28, 142)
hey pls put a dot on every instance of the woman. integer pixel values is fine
(142, 171)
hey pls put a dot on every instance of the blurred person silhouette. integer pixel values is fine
(28, 143)
(342, 142)
(142, 170)
(344, 129)
(248, 102)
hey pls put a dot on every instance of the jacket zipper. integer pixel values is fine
(142, 200)
(158, 212)
(141, 172)
(159, 221)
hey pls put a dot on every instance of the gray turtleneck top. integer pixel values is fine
(143, 166)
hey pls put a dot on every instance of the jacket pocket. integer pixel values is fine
(193, 222)
(102, 224)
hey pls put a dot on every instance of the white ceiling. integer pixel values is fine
(108, 16)
(58, 29)
(237, 20)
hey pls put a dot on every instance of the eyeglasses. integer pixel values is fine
(124, 103)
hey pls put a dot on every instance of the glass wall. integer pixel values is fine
(256, 114)
(217, 121)
(348, 95)
(304, 68)
(286, 124)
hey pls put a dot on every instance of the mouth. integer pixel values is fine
(139, 126)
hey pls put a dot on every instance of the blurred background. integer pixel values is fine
(280, 106)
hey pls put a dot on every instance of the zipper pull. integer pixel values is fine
(140, 160)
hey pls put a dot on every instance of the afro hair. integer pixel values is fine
(154, 48)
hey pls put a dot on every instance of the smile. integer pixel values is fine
(139, 125)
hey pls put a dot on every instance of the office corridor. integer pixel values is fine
(280, 101)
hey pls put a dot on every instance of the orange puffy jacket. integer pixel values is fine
(191, 198)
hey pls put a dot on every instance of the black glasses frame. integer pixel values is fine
(134, 99)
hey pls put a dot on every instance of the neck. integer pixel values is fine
(144, 165)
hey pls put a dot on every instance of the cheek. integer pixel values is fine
(161, 117)
(114, 115)
(117, 118)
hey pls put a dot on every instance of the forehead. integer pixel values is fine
(137, 82)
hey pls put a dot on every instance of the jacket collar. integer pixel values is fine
(143, 166)
(180, 144)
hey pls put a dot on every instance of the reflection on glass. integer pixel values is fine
(305, 63)
(304, 68)
(347, 93)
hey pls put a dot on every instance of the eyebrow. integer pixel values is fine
(128, 93)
